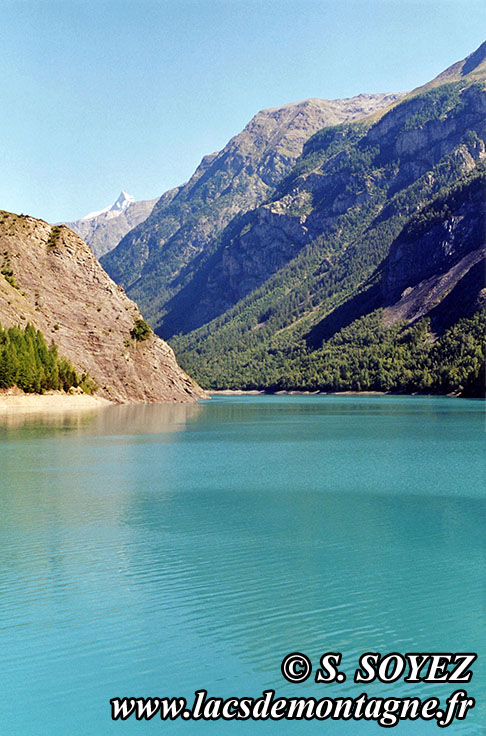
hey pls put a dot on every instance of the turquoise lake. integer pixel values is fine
(157, 550)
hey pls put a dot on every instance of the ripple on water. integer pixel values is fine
(156, 550)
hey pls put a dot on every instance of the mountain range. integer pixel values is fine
(320, 223)
(330, 246)
(156, 259)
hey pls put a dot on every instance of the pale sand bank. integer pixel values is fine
(234, 392)
(238, 392)
(49, 402)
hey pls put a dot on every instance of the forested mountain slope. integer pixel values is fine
(33, 366)
(386, 214)
(157, 258)
(417, 323)
(350, 179)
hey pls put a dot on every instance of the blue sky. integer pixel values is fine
(103, 96)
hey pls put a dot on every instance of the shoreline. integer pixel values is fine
(54, 401)
(17, 402)
(260, 392)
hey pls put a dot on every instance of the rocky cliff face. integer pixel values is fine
(103, 230)
(60, 288)
(437, 266)
(157, 259)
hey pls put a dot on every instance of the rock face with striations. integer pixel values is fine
(60, 288)
(156, 259)
(103, 230)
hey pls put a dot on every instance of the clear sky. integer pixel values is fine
(102, 96)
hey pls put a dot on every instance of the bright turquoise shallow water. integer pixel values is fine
(158, 550)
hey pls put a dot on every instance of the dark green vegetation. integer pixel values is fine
(54, 236)
(27, 362)
(7, 271)
(366, 356)
(364, 268)
(141, 330)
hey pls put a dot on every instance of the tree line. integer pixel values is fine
(28, 362)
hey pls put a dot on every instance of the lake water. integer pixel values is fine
(154, 551)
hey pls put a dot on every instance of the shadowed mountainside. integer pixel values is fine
(158, 258)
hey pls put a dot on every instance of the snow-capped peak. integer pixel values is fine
(123, 201)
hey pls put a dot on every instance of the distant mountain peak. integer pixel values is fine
(124, 200)
(104, 229)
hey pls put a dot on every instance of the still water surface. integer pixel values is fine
(153, 551)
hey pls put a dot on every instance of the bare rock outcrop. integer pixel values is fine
(437, 268)
(59, 286)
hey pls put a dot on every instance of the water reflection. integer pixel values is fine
(102, 421)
